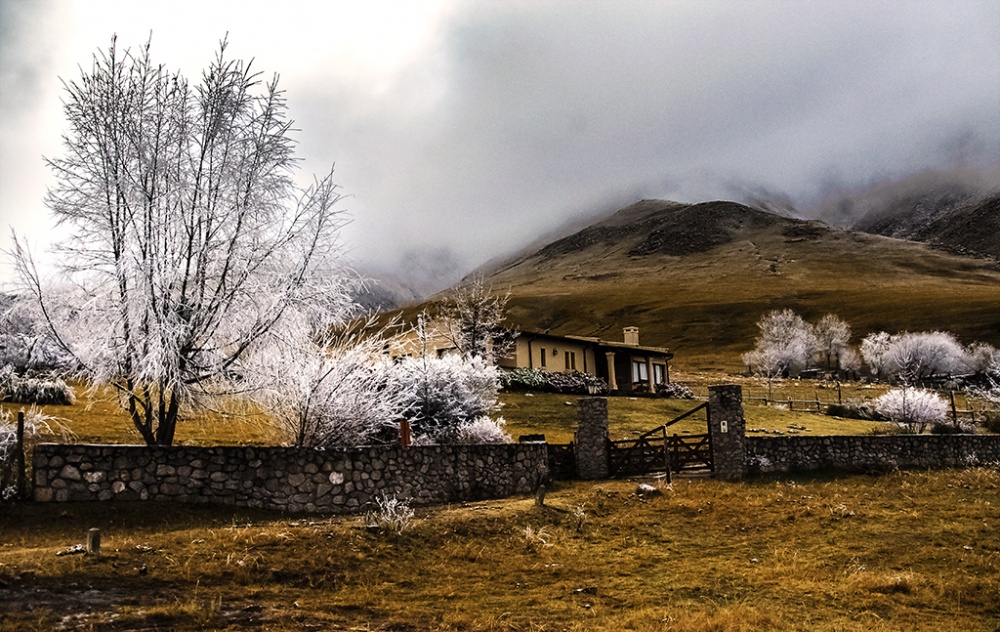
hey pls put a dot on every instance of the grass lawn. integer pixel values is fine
(904, 551)
(97, 418)
(555, 416)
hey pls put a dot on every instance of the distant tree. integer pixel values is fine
(913, 408)
(783, 346)
(982, 358)
(190, 240)
(874, 349)
(473, 317)
(832, 335)
(918, 356)
(849, 362)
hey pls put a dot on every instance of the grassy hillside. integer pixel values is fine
(696, 278)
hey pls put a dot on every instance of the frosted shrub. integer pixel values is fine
(482, 430)
(552, 382)
(34, 390)
(991, 393)
(8, 447)
(523, 378)
(35, 425)
(440, 395)
(912, 408)
(674, 391)
(389, 515)
(327, 390)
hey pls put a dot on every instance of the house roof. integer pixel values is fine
(611, 345)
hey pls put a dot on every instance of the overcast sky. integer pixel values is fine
(475, 126)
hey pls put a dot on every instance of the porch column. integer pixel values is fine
(612, 382)
(727, 427)
(649, 374)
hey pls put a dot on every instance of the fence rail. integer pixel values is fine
(820, 404)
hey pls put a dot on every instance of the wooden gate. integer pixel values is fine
(656, 451)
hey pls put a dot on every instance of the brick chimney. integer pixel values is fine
(631, 335)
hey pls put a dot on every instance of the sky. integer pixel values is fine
(462, 130)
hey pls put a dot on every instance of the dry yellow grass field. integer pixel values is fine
(903, 551)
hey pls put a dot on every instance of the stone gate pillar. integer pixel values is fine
(590, 443)
(728, 430)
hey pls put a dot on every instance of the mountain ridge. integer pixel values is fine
(697, 277)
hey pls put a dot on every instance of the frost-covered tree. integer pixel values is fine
(473, 315)
(918, 356)
(783, 346)
(850, 362)
(982, 358)
(190, 239)
(832, 335)
(913, 408)
(914, 356)
(874, 349)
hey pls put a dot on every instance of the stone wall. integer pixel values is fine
(869, 453)
(293, 479)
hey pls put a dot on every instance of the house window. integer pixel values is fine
(659, 374)
(543, 356)
(640, 372)
(570, 358)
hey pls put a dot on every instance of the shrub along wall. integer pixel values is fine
(869, 453)
(293, 479)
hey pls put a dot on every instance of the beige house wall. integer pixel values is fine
(435, 344)
(528, 353)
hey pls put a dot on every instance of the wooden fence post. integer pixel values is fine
(840, 396)
(404, 433)
(954, 413)
(21, 487)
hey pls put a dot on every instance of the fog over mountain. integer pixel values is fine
(474, 128)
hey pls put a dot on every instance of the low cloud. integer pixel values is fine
(503, 121)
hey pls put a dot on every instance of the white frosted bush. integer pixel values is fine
(919, 356)
(913, 408)
(440, 395)
(325, 390)
(35, 424)
(389, 514)
(482, 430)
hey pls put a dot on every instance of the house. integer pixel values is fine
(626, 366)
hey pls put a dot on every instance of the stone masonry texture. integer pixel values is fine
(291, 479)
(725, 412)
(870, 453)
(591, 440)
